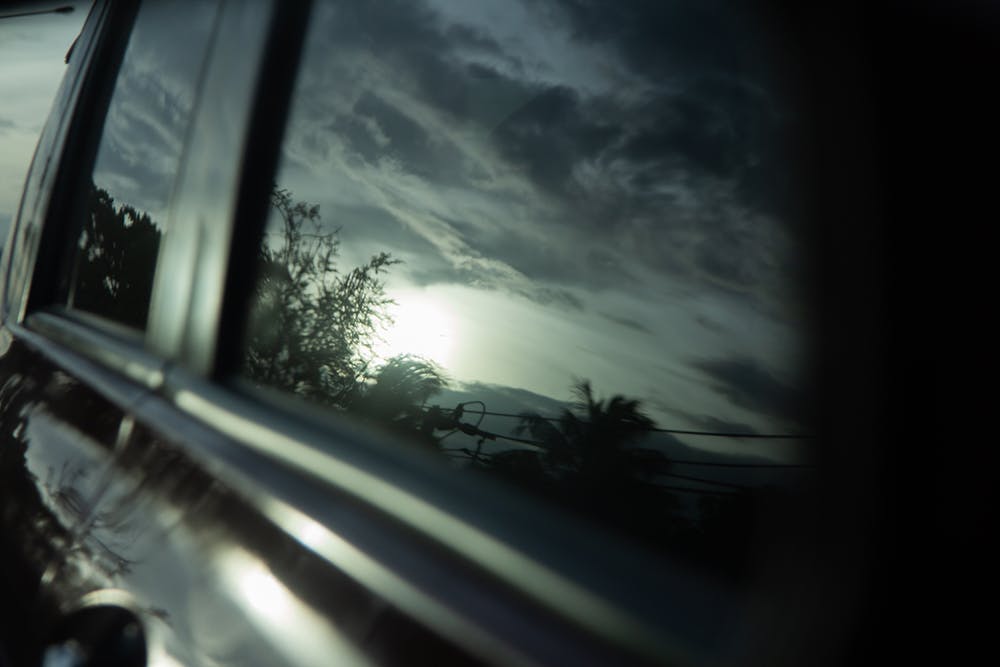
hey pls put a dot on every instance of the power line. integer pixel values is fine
(686, 489)
(469, 429)
(677, 431)
(719, 464)
(465, 452)
(702, 480)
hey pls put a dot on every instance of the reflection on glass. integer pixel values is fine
(113, 269)
(304, 637)
(113, 260)
(534, 235)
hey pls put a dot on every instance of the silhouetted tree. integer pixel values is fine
(313, 328)
(395, 393)
(595, 440)
(115, 261)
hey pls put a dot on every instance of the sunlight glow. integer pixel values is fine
(303, 637)
(421, 326)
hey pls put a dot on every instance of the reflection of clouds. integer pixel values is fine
(571, 156)
(749, 385)
(142, 143)
(153, 99)
(650, 173)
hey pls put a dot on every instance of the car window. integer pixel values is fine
(125, 209)
(550, 243)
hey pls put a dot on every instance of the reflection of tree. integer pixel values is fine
(395, 394)
(313, 328)
(595, 440)
(590, 461)
(40, 536)
(115, 261)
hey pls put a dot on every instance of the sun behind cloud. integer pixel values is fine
(421, 326)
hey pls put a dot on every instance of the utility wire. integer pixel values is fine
(474, 430)
(719, 464)
(702, 480)
(678, 431)
(687, 489)
(465, 452)
(469, 429)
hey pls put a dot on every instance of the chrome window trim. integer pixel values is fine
(114, 347)
(190, 280)
(113, 373)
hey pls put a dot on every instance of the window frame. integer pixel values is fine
(211, 193)
(75, 166)
(65, 158)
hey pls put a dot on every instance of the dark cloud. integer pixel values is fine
(151, 105)
(712, 424)
(688, 131)
(661, 38)
(748, 385)
(629, 323)
(478, 276)
(561, 257)
(664, 178)
(720, 159)
(375, 227)
(550, 134)
(414, 41)
(710, 324)
(6, 124)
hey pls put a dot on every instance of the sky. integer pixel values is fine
(32, 63)
(576, 191)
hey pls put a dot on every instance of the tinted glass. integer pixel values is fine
(549, 242)
(110, 272)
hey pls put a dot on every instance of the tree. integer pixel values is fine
(590, 461)
(313, 328)
(595, 440)
(395, 393)
(115, 261)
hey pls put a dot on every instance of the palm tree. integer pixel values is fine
(395, 393)
(595, 440)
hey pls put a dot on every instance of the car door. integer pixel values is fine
(365, 503)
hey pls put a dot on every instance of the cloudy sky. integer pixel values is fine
(576, 190)
(32, 53)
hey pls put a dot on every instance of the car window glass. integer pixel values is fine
(552, 243)
(126, 208)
